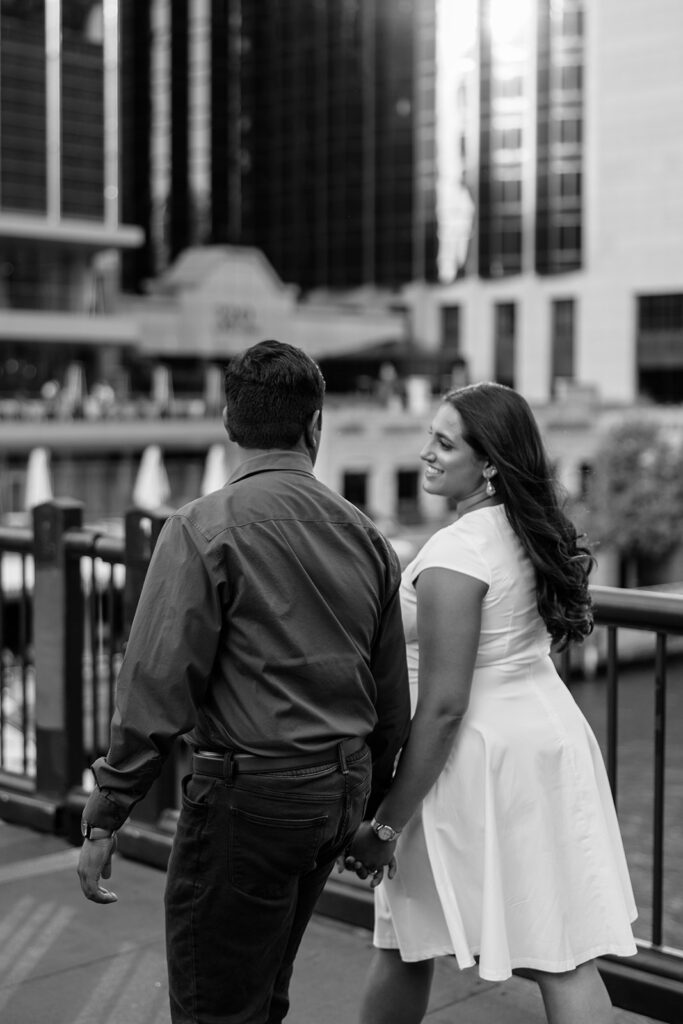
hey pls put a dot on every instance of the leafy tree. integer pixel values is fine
(636, 490)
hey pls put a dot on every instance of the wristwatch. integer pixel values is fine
(384, 832)
(89, 831)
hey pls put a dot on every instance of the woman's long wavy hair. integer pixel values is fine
(499, 425)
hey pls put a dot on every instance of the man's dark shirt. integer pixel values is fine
(269, 621)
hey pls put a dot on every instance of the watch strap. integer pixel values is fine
(92, 832)
(386, 833)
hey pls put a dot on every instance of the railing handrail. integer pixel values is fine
(657, 610)
(88, 542)
(16, 538)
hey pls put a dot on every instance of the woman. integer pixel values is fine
(509, 852)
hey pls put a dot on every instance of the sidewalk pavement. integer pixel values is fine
(64, 960)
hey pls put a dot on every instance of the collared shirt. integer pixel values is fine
(269, 621)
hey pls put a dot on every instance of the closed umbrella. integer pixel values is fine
(152, 488)
(38, 478)
(216, 469)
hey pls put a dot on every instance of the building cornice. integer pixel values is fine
(29, 325)
(70, 231)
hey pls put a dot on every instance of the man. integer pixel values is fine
(269, 632)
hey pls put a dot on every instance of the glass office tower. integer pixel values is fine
(286, 126)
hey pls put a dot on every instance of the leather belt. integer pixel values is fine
(224, 764)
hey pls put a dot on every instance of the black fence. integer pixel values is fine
(67, 598)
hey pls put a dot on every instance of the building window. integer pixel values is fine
(355, 489)
(660, 312)
(584, 471)
(511, 239)
(507, 138)
(12, 484)
(504, 343)
(82, 125)
(504, 110)
(569, 131)
(569, 238)
(506, 190)
(572, 23)
(660, 347)
(559, 121)
(450, 330)
(570, 77)
(407, 495)
(23, 108)
(569, 184)
(563, 326)
(508, 87)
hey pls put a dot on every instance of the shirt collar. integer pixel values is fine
(277, 460)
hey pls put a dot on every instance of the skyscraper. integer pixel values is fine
(287, 126)
(558, 198)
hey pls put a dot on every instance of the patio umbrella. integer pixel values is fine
(152, 488)
(216, 470)
(38, 478)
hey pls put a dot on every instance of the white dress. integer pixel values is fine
(516, 855)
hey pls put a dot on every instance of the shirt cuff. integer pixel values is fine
(103, 812)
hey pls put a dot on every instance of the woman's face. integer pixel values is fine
(452, 468)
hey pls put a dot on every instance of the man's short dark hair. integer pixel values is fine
(271, 391)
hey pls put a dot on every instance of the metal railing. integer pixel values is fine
(17, 724)
(65, 615)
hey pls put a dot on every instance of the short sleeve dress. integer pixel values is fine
(515, 856)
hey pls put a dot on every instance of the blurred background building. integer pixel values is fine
(312, 155)
(417, 192)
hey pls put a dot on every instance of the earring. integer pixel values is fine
(490, 489)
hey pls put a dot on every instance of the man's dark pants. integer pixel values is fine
(250, 858)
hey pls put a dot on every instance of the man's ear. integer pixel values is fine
(225, 423)
(312, 429)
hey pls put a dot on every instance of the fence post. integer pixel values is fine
(142, 529)
(58, 639)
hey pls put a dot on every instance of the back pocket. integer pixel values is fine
(268, 855)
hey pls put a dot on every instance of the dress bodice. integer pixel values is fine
(483, 544)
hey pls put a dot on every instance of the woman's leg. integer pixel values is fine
(396, 992)
(575, 997)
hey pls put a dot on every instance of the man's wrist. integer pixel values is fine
(93, 832)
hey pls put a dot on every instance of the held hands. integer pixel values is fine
(368, 856)
(95, 863)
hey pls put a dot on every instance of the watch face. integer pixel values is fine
(385, 832)
(84, 829)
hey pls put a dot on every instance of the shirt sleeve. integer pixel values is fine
(457, 547)
(390, 672)
(164, 673)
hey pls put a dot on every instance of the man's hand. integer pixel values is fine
(95, 863)
(368, 856)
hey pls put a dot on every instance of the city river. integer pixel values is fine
(635, 785)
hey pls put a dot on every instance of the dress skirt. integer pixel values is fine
(516, 856)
